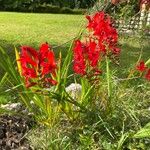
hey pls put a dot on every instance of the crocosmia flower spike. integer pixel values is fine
(141, 66)
(38, 67)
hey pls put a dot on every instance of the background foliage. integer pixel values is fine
(66, 6)
(32, 5)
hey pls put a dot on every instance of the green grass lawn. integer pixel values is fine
(131, 49)
(33, 29)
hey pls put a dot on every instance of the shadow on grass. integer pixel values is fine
(130, 54)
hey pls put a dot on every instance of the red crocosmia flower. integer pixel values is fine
(30, 84)
(101, 41)
(93, 53)
(147, 76)
(102, 47)
(28, 56)
(37, 64)
(101, 26)
(86, 55)
(116, 50)
(29, 72)
(141, 66)
(90, 22)
(94, 21)
(48, 64)
(79, 61)
(51, 81)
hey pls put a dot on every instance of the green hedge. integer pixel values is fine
(47, 9)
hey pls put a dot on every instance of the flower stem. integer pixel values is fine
(108, 77)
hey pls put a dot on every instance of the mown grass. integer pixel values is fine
(33, 29)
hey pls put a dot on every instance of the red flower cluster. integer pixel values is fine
(101, 26)
(102, 40)
(141, 67)
(85, 54)
(147, 75)
(79, 60)
(38, 66)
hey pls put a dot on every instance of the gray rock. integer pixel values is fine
(74, 90)
(12, 106)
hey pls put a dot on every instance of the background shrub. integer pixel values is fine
(47, 9)
(66, 10)
(46, 6)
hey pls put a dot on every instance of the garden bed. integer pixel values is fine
(13, 129)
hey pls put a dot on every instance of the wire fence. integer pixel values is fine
(139, 22)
